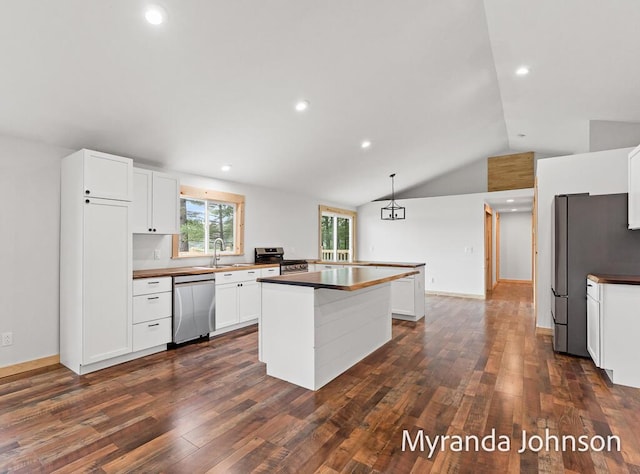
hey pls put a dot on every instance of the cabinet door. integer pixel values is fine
(249, 300)
(166, 202)
(402, 296)
(226, 305)
(107, 176)
(107, 315)
(593, 330)
(634, 189)
(141, 212)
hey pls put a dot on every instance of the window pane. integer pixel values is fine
(192, 221)
(221, 224)
(327, 232)
(343, 233)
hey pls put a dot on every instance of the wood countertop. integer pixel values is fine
(178, 271)
(347, 279)
(615, 279)
(370, 264)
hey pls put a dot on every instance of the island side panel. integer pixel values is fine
(349, 325)
(286, 327)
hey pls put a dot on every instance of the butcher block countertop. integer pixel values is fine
(178, 271)
(370, 264)
(615, 279)
(347, 279)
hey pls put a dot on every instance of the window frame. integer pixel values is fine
(353, 215)
(238, 200)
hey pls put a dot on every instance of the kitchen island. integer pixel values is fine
(314, 326)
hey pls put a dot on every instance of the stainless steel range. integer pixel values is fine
(276, 255)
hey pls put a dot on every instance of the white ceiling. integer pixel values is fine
(429, 82)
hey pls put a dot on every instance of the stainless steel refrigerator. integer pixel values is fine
(590, 235)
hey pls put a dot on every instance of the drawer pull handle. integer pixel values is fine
(251, 272)
(152, 282)
(156, 324)
(227, 274)
(153, 298)
(589, 284)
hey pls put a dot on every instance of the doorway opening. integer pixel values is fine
(488, 250)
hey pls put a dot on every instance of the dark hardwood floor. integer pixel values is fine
(471, 366)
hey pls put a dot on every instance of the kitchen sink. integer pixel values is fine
(235, 265)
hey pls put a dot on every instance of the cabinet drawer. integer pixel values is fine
(152, 306)
(145, 286)
(235, 276)
(269, 272)
(151, 333)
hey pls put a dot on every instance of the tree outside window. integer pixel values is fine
(203, 220)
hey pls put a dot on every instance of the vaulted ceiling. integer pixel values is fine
(430, 83)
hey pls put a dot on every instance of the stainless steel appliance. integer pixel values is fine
(194, 306)
(590, 235)
(276, 255)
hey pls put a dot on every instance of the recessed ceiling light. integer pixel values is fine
(510, 200)
(522, 71)
(225, 167)
(155, 14)
(302, 105)
(365, 144)
(513, 210)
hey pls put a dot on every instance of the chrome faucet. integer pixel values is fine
(216, 257)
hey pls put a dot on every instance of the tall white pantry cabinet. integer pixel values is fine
(95, 260)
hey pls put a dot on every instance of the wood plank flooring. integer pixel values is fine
(471, 366)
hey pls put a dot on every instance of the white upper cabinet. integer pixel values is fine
(106, 176)
(156, 200)
(634, 189)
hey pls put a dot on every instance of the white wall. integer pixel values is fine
(468, 179)
(445, 232)
(607, 134)
(29, 248)
(272, 218)
(30, 241)
(603, 172)
(515, 246)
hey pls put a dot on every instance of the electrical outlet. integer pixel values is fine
(156, 254)
(7, 338)
(433, 279)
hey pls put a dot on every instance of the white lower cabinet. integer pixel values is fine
(402, 296)
(613, 326)
(152, 312)
(237, 297)
(249, 301)
(226, 305)
(407, 297)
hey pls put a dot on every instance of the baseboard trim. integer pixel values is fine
(544, 331)
(517, 282)
(459, 295)
(29, 365)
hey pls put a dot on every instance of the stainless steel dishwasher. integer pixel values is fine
(194, 306)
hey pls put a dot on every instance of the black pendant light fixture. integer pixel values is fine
(392, 211)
